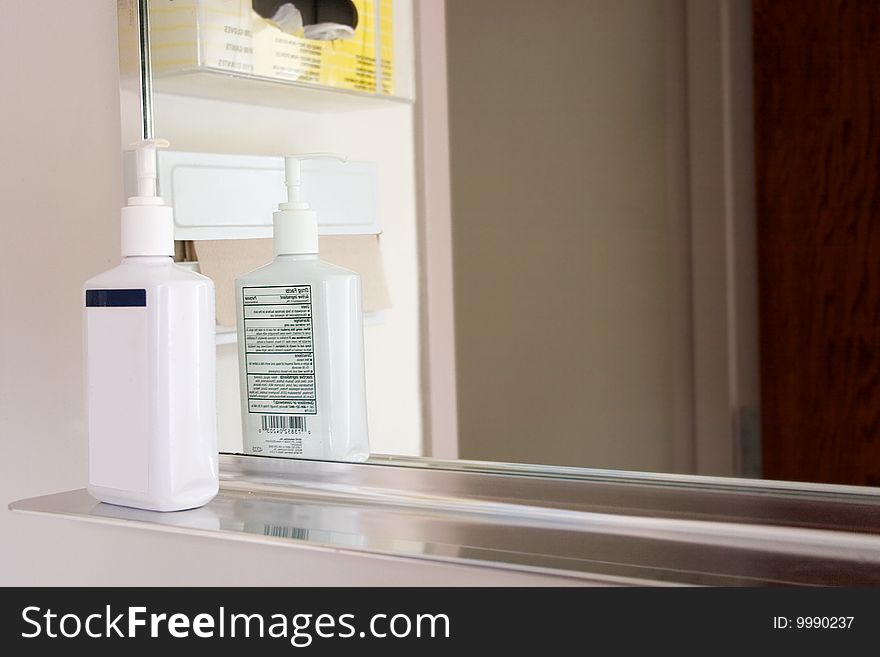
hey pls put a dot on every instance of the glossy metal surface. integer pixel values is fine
(135, 71)
(618, 527)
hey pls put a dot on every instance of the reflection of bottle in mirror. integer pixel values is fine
(149, 361)
(337, 525)
(301, 345)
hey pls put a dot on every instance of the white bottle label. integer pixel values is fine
(282, 399)
(117, 377)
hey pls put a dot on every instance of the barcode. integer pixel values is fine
(294, 422)
(285, 532)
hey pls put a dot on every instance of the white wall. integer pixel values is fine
(60, 181)
(564, 284)
(380, 134)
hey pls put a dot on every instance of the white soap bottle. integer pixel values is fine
(301, 345)
(149, 362)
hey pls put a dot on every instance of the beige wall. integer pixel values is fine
(561, 232)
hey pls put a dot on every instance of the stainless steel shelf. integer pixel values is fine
(618, 527)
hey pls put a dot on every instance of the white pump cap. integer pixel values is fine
(295, 226)
(147, 223)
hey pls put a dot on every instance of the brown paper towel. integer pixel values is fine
(223, 260)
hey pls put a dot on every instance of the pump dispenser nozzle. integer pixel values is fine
(145, 165)
(295, 226)
(293, 177)
(147, 223)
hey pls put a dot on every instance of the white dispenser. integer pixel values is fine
(301, 344)
(149, 361)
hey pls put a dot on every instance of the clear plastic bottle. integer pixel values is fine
(301, 345)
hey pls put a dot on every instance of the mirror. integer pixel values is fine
(583, 252)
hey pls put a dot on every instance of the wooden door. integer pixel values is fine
(817, 142)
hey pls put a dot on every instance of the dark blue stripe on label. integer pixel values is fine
(115, 298)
